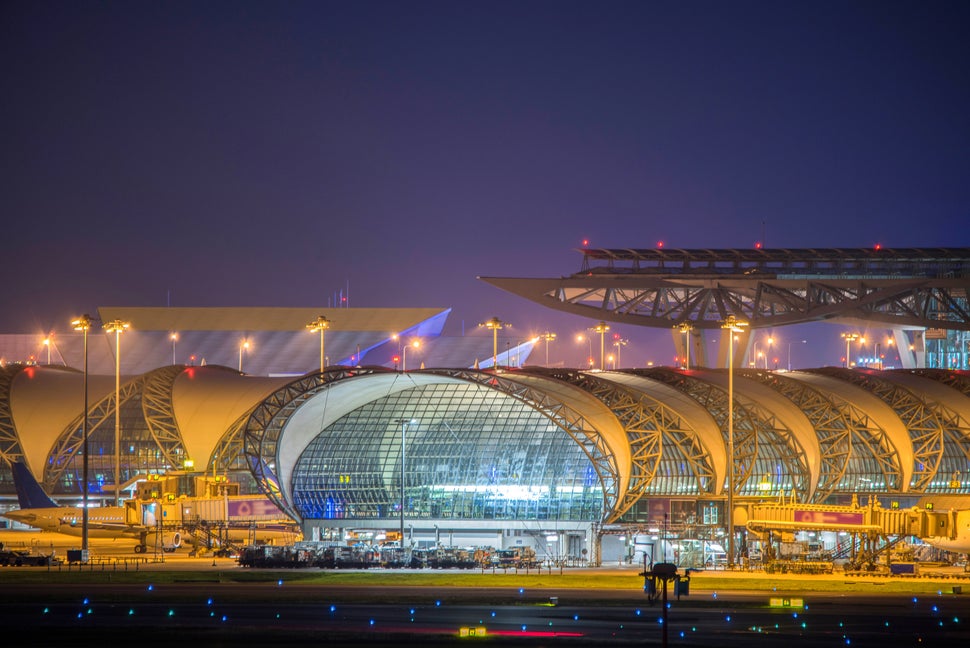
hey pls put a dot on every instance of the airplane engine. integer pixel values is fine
(171, 541)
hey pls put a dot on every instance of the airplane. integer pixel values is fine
(38, 510)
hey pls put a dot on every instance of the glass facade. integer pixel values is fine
(470, 452)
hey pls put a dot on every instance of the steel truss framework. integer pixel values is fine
(657, 436)
(853, 447)
(263, 429)
(959, 380)
(665, 287)
(937, 432)
(152, 392)
(760, 439)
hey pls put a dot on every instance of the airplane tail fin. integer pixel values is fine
(29, 492)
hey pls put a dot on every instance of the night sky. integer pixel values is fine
(275, 153)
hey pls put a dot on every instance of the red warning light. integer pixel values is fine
(660, 244)
(585, 242)
(757, 245)
(878, 246)
(396, 359)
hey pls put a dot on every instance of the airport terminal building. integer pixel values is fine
(463, 445)
(573, 463)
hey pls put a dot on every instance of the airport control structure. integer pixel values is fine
(464, 446)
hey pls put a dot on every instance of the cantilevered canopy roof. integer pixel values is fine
(391, 320)
(766, 288)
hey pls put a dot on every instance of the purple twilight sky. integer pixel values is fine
(273, 153)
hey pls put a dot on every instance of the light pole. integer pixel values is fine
(415, 344)
(789, 350)
(117, 327)
(175, 338)
(849, 337)
(47, 343)
(548, 337)
(320, 324)
(83, 323)
(589, 348)
(494, 324)
(404, 428)
(618, 342)
(732, 325)
(601, 328)
(244, 345)
(686, 328)
(771, 341)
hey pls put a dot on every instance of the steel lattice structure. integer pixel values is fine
(903, 287)
(755, 428)
(653, 429)
(152, 394)
(847, 437)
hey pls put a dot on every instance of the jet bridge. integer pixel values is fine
(870, 525)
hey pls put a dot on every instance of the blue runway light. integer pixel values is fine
(209, 602)
(131, 612)
(85, 602)
(493, 613)
(151, 587)
(280, 582)
(437, 603)
(638, 612)
(333, 608)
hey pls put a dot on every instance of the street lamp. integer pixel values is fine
(771, 341)
(618, 343)
(175, 338)
(849, 337)
(789, 350)
(47, 343)
(415, 344)
(83, 323)
(320, 324)
(117, 327)
(548, 337)
(244, 345)
(589, 344)
(404, 428)
(601, 328)
(494, 324)
(732, 325)
(686, 328)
